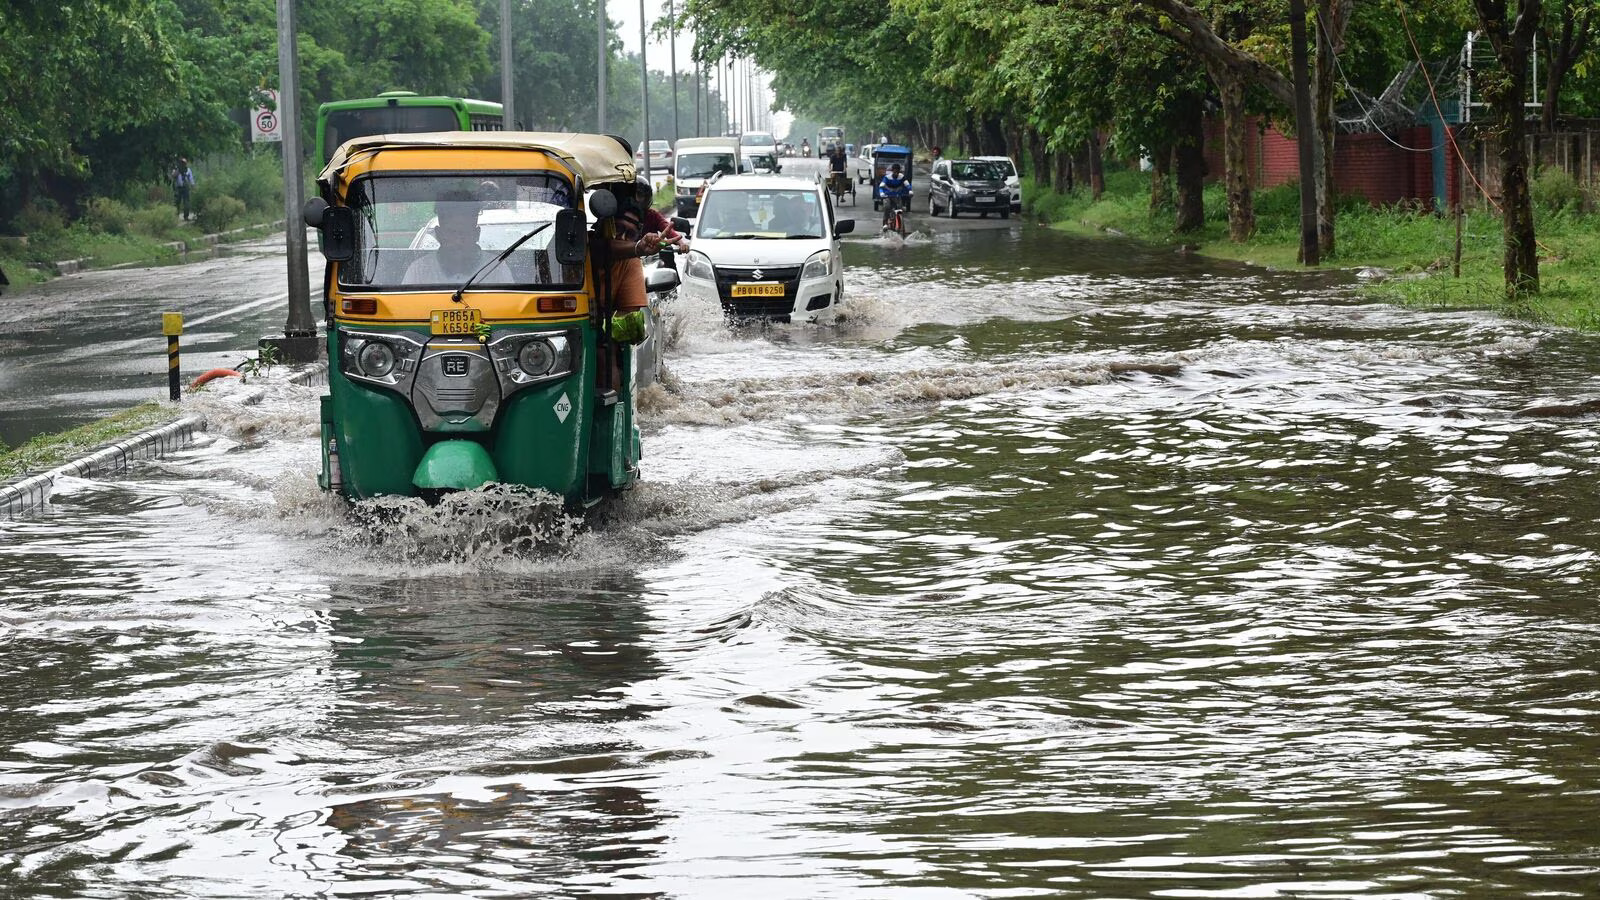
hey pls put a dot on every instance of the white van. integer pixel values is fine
(766, 247)
(697, 159)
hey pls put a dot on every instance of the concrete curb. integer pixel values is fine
(32, 492)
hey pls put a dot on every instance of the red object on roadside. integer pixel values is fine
(211, 375)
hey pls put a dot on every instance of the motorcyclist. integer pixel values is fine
(640, 231)
(805, 148)
(894, 188)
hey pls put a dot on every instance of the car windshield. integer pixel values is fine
(761, 214)
(1004, 165)
(975, 171)
(756, 139)
(703, 165)
(433, 231)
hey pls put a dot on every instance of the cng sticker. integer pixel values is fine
(563, 407)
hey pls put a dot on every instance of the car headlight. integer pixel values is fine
(685, 192)
(819, 265)
(524, 359)
(386, 359)
(699, 266)
(962, 190)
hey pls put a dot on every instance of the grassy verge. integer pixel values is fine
(1416, 247)
(137, 226)
(51, 450)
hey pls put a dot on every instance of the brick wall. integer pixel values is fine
(1364, 164)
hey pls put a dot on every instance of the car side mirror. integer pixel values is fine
(338, 227)
(571, 240)
(844, 226)
(681, 224)
(661, 279)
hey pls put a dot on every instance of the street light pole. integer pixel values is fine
(299, 341)
(508, 116)
(644, 84)
(672, 55)
(602, 56)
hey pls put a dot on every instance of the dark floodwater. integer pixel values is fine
(1058, 569)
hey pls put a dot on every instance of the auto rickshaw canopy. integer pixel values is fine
(596, 158)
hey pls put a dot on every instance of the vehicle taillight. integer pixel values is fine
(359, 306)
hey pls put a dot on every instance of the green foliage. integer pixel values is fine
(160, 222)
(1554, 190)
(219, 212)
(41, 219)
(106, 215)
(48, 451)
(255, 179)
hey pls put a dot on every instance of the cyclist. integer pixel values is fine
(894, 188)
(837, 179)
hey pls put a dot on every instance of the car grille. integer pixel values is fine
(758, 307)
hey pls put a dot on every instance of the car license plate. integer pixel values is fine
(454, 321)
(985, 199)
(770, 289)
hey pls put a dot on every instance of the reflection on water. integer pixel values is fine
(1050, 568)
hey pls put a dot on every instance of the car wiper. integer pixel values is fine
(456, 297)
(802, 237)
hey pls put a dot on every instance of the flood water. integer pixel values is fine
(1059, 568)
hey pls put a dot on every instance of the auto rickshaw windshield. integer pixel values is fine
(418, 231)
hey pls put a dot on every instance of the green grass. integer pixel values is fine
(1416, 247)
(48, 451)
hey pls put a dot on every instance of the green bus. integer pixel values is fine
(400, 112)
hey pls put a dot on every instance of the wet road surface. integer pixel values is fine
(1051, 567)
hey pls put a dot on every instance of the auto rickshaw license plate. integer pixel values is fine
(454, 321)
(770, 289)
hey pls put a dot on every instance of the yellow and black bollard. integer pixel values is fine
(172, 326)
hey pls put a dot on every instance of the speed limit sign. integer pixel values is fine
(264, 123)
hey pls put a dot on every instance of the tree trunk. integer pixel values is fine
(1331, 18)
(1189, 164)
(1063, 174)
(1236, 163)
(1504, 91)
(1097, 175)
(1037, 158)
(1160, 187)
(1554, 75)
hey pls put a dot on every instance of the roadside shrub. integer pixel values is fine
(219, 213)
(1555, 190)
(255, 181)
(107, 216)
(154, 221)
(41, 217)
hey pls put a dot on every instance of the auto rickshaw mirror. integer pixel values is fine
(339, 233)
(571, 241)
(602, 204)
(313, 211)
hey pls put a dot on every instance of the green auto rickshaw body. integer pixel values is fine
(513, 379)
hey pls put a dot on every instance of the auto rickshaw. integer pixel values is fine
(454, 365)
(884, 156)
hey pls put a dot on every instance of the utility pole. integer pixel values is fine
(644, 84)
(601, 58)
(508, 115)
(299, 341)
(1305, 134)
(672, 55)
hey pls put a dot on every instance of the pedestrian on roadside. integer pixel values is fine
(182, 182)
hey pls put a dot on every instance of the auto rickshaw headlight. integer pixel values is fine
(536, 357)
(376, 359)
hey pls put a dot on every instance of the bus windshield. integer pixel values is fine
(342, 125)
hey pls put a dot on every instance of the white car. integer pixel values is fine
(754, 142)
(1013, 182)
(766, 247)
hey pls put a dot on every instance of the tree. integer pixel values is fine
(1567, 33)
(1510, 26)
